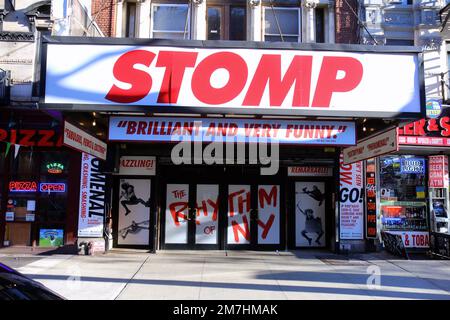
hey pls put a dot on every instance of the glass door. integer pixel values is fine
(207, 215)
(192, 216)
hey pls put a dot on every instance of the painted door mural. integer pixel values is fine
(268, 214)
(207, 214)
(239, 208)
(310, 214)
(177, 212)
(134, 212)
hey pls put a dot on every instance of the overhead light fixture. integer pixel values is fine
(94, 123)
(364, 129)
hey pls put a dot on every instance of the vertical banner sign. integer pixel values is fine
(268, 214)
(207, 217)
(438, 171)
(177, 211)
(310, 214)
(91, 211)
(134, 212)
(371, 200)
(239, 206)
(351, 195)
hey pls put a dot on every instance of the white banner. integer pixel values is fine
(177, 212)
(310, 214)
(301, 81)
(372, 147)
(134, 212)
(268, 214)
(239, 207)
(137, 165)
(232, 130)
(351, 200)
(91, 210)
(83, 142)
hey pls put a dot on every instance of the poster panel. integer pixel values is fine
(134, 212)
(351, 200)
(91, 210)
(177, 211)
(206, 222)
(268, 214)
(310, 214)
(239, 206)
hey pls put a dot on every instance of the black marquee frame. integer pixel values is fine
(46, 40)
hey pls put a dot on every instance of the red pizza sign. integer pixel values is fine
(247, 78)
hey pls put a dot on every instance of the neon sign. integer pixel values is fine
(55, 168)
(22, 186)
(52, 187)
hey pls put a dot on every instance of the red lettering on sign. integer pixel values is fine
(241, 201)
(327, 84)
(175, 64)
(238, 229)
(177, 211)
(266, 226)
(268, 72)
(270, 198)
(124, 70)
(237, 77)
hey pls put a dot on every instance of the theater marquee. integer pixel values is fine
(180, 76)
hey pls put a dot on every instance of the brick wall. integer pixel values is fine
(104, 13)
(347, 29)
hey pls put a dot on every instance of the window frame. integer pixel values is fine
(299, 13)
(125, 22)
(185, 35)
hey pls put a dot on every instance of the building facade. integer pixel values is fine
(39, 190)
(241, 69)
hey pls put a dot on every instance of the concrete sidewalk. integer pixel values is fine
(239, 275)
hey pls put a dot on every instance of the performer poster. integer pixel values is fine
(134, 212)
(310, 214)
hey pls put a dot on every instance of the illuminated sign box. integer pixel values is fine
(52, 187)
(22, 186)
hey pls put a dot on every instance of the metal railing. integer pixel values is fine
(440, 244)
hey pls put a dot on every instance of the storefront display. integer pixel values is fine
(403, 205)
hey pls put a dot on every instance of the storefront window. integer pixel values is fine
(403, 193)
(54, 164)
(37, 197)
(25, 165)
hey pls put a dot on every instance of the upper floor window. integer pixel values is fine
(170, 21)
(320, 24)
(282, 20)
(130, 19)
(399, 42)
(226, 20)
